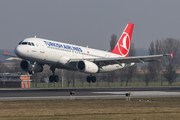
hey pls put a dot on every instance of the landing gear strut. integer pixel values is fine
(91, 79)
(53, 78)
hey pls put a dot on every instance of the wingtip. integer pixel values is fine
(172, 54)
(6, 52)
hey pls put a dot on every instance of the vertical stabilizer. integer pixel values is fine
(123, 45)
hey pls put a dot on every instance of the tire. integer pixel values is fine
(56, 78)
(93, 78)
(88, 79)
(51, 78)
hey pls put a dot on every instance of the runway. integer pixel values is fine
(88, 93)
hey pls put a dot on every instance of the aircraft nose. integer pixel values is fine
(18, 50)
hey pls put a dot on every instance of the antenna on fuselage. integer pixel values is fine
(35, 36)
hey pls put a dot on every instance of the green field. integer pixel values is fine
(111, 109)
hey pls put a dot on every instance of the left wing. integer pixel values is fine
(12, 56)
(119, 60)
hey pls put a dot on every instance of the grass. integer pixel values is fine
(116, 109)
(100, 84)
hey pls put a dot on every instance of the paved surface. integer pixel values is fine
(88, 93)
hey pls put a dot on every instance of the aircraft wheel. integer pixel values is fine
(56, 78)
(88, 79)
(93, 78)
(51, 78)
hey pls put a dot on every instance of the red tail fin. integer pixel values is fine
(123, 45)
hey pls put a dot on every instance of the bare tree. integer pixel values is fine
(16, 67)
(113, 41)
(151, 48)
(80, 77)
(171, 66)
(155, 67)
(146, 74)
(70, 77)
(151, 66)
(158, 65)
(37, 77)
(111, 76)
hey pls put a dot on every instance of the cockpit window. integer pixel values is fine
(29, 43)
(32, 44)
(24, 43)
(19, 43)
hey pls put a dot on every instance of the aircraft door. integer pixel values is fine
(42, 47)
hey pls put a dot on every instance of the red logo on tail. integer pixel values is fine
(123, 45)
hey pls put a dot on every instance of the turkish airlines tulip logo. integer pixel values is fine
(124, 44)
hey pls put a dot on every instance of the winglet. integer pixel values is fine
(6, 53)
(172, 54)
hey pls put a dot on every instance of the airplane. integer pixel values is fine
(36, 52)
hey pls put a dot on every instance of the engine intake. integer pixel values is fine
(25, 65)
(87, 66)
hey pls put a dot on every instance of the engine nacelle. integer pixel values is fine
(87, 66)
(37, 68)
(26, 65)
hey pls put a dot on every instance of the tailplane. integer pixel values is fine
(123, 45)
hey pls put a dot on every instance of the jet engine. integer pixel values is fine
(87, 66)
(37, 68)
(26, 65)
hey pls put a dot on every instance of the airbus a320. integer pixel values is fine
(36, 52)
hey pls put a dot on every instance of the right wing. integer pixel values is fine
(119, 60)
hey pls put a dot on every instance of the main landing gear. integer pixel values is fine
(91, 79)
(53, 78)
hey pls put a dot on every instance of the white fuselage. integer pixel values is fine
(58, 54)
